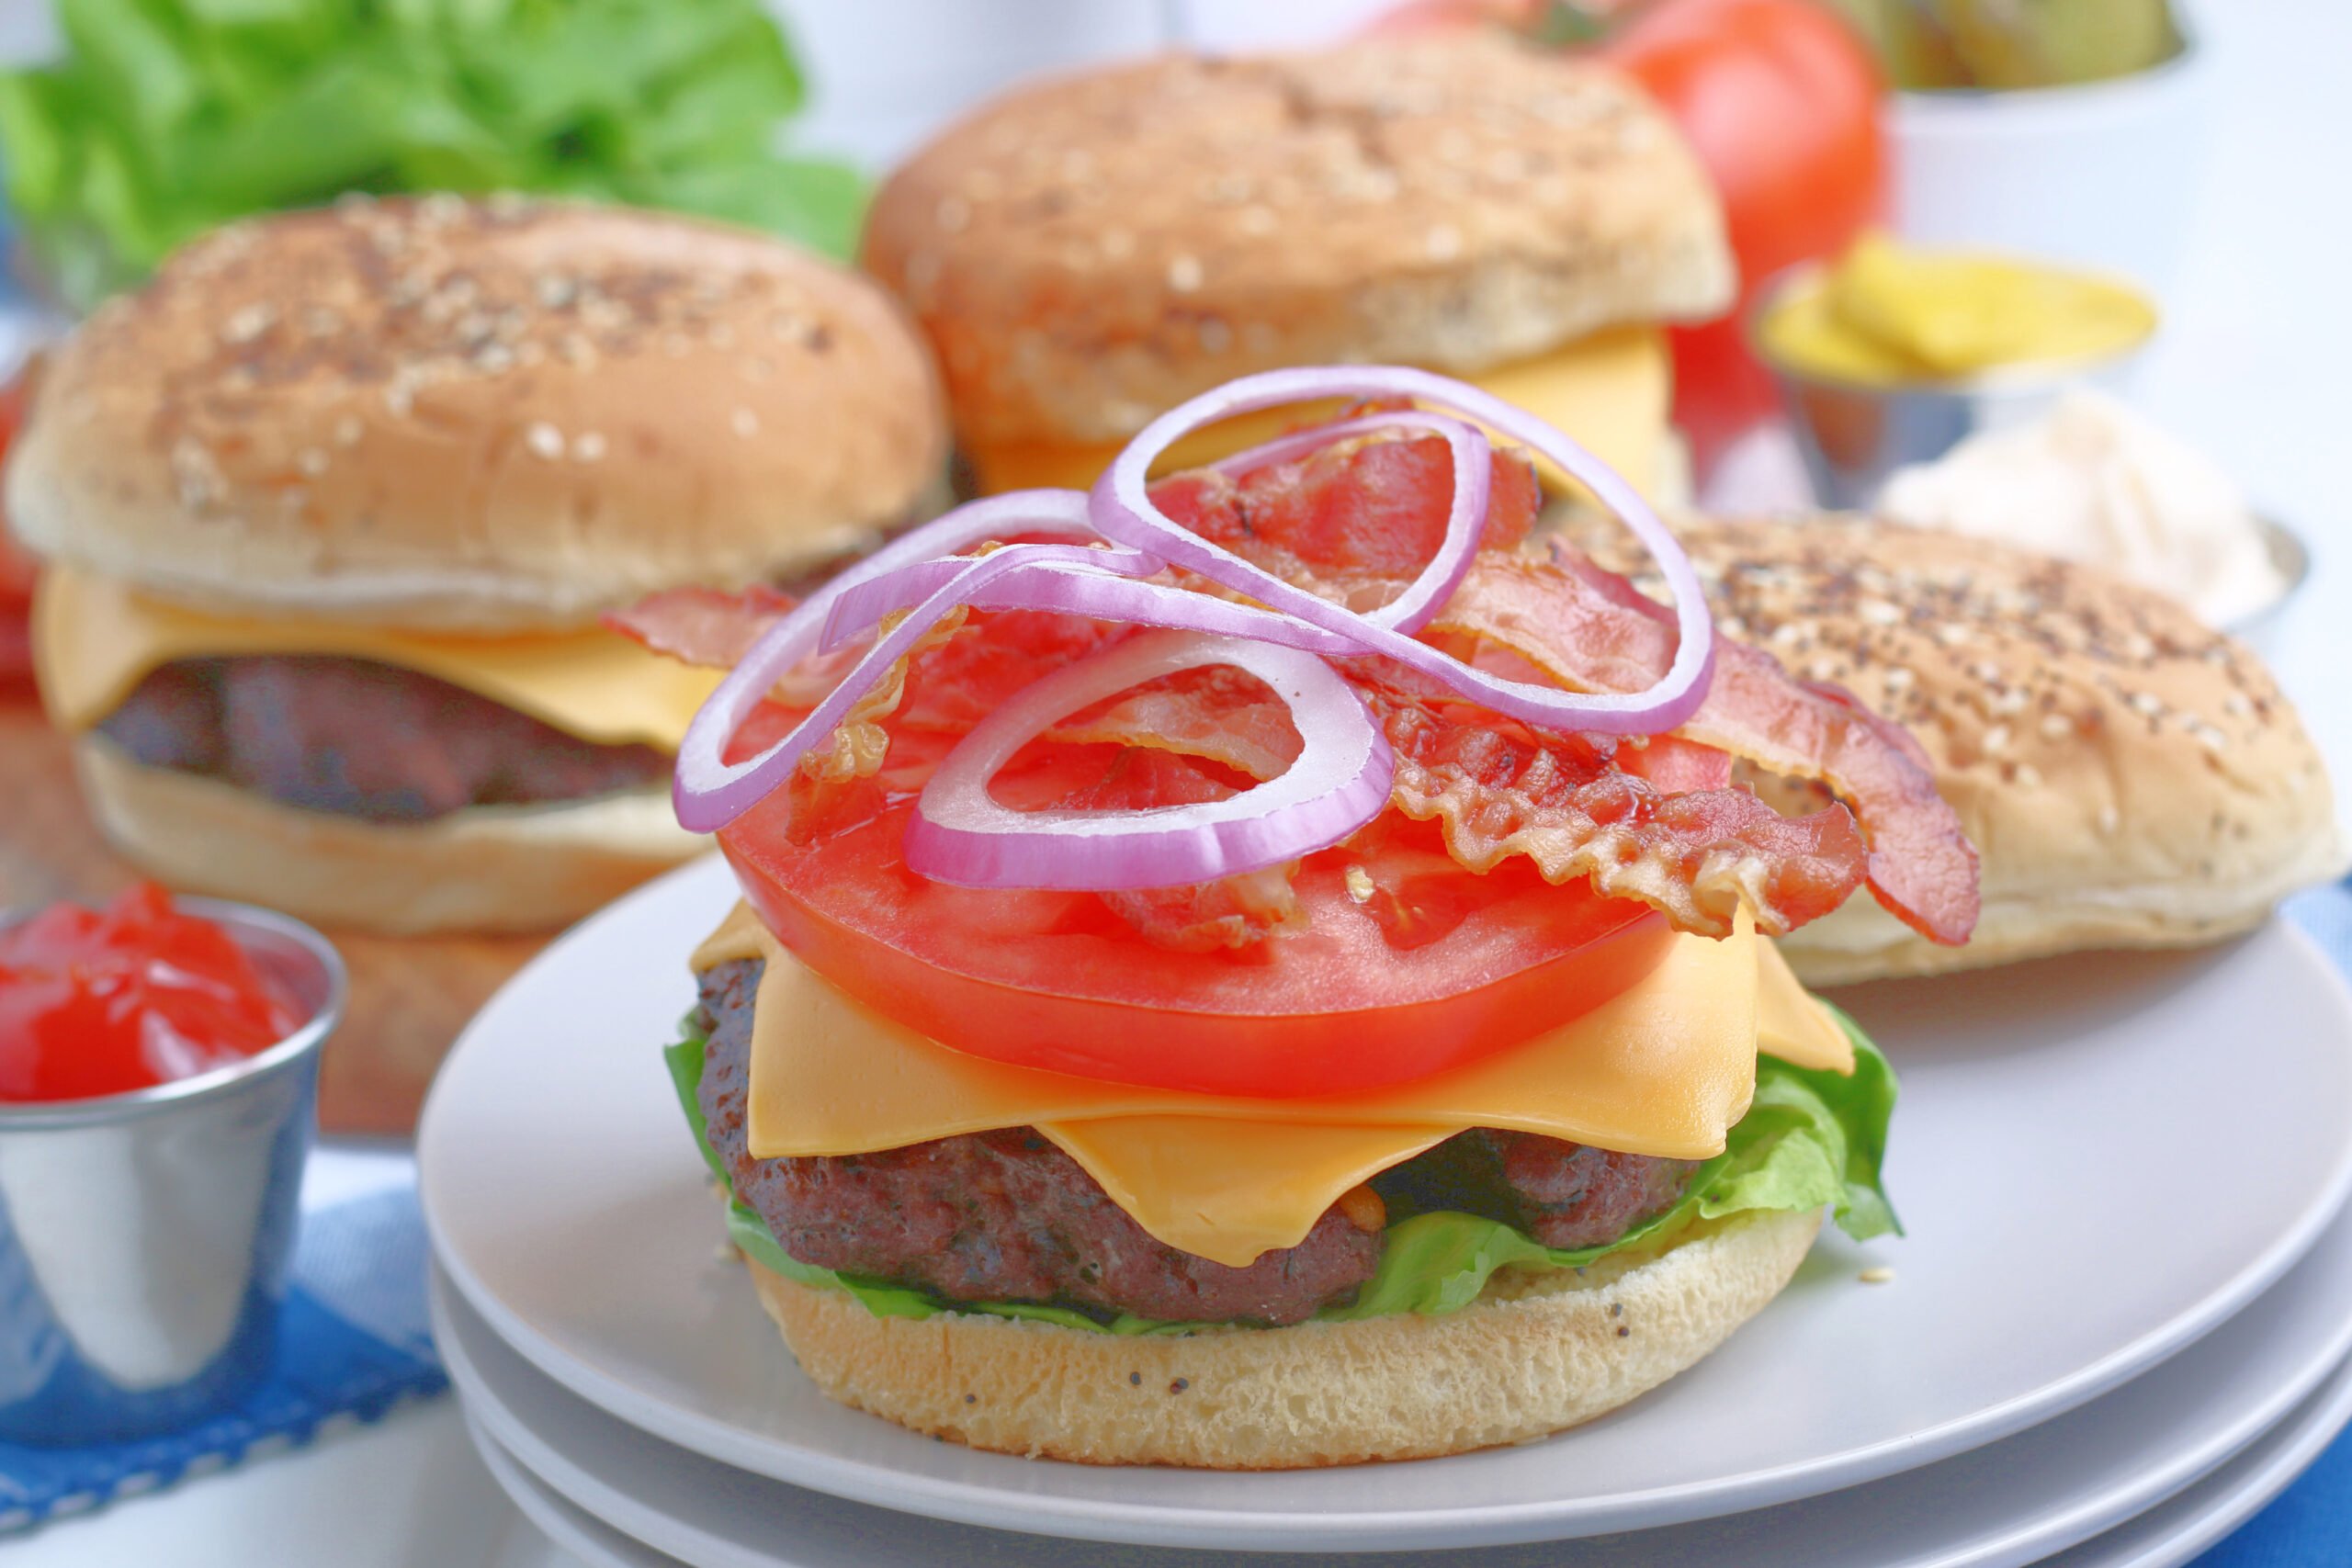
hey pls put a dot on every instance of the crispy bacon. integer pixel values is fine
(1498, 788)
(1225, 715)
(1676, 765)
(1353, 521)
(1231, 912)
(1589, 630)
(701, 626)
(956, 683)
(1372, 509)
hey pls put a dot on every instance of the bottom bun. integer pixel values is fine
(1536, 1352)
(487, 868)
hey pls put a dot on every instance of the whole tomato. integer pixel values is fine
(1779, 100)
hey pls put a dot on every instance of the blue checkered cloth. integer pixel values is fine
(352, 1343)
(2311, 1524)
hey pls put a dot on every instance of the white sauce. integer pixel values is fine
(2093, 482)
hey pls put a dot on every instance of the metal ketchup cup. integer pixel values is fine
(144, 1236)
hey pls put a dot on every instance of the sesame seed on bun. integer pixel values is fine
(489, 415)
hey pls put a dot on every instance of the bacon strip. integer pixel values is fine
(1373, 506)
(960, 682)
(1222, 714)
(705, 627)
(1589, 630)
(1350, 521)
(1498, 788)
(1231, 912)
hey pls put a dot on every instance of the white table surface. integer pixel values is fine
(2254, 364)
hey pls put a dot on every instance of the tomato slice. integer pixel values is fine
(1405, 965)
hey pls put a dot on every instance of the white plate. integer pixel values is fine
(574, 1535)
(2199, 1519)
(2278, 1366)
(2172, 1532)
(2099, 1160)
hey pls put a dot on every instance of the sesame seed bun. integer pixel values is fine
(486, 868)
(1091, 252)
(2130, 778)
(1535, 1353)
(488, 416)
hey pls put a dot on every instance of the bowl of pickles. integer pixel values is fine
(2071, 130)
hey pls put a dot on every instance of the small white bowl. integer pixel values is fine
(2103, 175)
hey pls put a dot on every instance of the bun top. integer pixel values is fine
(2126, 773)
(486, 415)
(1088, 253)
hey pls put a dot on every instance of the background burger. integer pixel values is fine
(1095, 1071)
(1088, 253)
(331, 506)
(2133, 777)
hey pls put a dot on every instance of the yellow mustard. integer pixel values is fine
(1888, 314)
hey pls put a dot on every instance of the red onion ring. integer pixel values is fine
(862, 607)
(1077, 582)
(708, 792)
(1340, 781)
(1121, 508)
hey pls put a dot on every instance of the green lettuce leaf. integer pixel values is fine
(167, 117)
(1811, 1140)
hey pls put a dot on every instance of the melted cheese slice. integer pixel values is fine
(1610, 390)
(1664, 1069)
(94, 640)
(1226, 1191)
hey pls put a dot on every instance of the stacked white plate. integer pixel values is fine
(2119, 1325)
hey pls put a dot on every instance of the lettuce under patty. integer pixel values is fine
(1810, 1140)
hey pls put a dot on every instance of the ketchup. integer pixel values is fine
(96, 1002)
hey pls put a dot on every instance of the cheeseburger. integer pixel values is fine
(1262, 967)
(331, 506)
(1087, 253)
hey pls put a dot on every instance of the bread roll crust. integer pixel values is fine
(482, 869)
(1088, 252)
(1537, 1352)
(487, 416)
(2130, 778)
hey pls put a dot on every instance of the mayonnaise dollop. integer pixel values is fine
(2095, 482)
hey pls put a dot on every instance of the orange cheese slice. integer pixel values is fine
(1611, 391)
(1664, 1069)
(1227, 1190)
(94, 639)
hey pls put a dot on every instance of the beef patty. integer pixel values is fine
(1006, 1216)
(358, 739)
